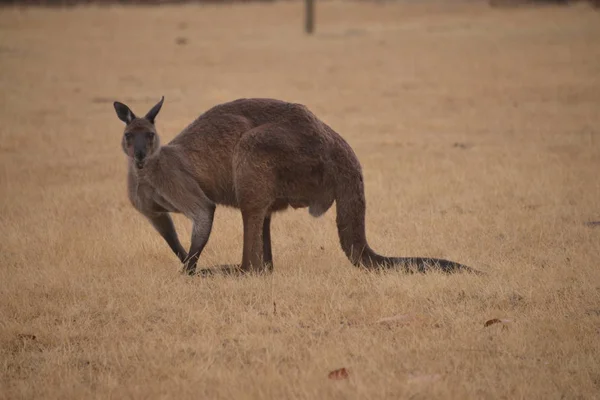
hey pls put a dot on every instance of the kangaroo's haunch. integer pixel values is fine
(258, 155)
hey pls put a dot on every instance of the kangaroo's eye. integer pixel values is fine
(128, 136)
(150, 135)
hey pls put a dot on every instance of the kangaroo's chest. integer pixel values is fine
(147, 200)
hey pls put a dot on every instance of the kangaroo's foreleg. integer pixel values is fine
(266, 237)
(185, 195)
(164, 225)
(200, 233)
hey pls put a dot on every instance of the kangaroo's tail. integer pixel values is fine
(350, 205)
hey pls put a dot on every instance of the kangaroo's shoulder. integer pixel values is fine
(171, 159)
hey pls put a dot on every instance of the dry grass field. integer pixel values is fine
(479, 134)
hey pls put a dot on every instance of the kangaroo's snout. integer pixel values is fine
(139, 156)
(140, 147)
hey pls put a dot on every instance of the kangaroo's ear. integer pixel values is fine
(123, 112)
(154, 111)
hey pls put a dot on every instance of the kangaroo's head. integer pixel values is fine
(140, 140)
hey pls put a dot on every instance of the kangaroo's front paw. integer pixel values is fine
(188, 270)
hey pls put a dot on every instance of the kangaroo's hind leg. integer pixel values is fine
(253, 254)
(266, 237)
(234, 269)
(255, 194)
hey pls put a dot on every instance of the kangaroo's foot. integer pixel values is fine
(225, 270)
(263, 269)
(229, 270)
(188, 270)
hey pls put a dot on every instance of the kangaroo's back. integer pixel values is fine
(210, 141)
(228, 121)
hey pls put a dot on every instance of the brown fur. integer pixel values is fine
(258, 155)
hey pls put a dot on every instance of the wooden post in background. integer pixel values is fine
(309, 21)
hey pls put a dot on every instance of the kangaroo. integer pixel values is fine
(261, 156)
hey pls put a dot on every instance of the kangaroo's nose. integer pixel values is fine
(139, 155)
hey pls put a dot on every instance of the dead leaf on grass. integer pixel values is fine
(400, 319)
(496, 321)
(26, 336)
(338, 374)
(463, 146)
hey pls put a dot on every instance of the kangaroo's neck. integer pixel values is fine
(144, 172)
(142, 183)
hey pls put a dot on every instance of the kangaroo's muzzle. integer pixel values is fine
(139, 158)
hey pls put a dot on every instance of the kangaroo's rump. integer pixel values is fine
(288, 161)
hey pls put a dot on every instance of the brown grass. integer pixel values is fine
(478, 130)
